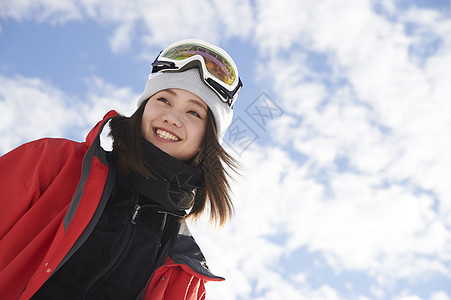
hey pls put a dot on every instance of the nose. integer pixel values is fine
(172, 118)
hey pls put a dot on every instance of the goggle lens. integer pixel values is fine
(215, 63)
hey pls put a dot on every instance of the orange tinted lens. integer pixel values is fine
(215, 63)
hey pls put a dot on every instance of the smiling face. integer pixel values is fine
(175, 121)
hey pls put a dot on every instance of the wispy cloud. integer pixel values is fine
(373, 128)
(34, 108)
(149, 22)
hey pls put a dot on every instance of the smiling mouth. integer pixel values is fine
(166, 135)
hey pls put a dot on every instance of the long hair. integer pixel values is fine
(127, 143)
(213, 159)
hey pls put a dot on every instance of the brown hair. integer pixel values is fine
(212, 159)
(127, 143)
(216, 189)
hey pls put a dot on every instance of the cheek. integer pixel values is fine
(144, 122)
(201, 133)
(143, 127)
(196, 133)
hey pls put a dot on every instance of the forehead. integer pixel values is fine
(187, 96)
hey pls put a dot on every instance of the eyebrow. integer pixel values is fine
(170, 91)
(197, 102)
(194, 101)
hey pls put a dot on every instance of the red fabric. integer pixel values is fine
(37, 183)
(30, 214)
(183, 282)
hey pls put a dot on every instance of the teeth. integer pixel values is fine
(166, 135)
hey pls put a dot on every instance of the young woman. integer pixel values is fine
(79, 222)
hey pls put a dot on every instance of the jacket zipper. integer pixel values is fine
(143, 292)
(119, 252)
(135, 214)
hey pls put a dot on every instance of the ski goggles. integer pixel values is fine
(217, 68)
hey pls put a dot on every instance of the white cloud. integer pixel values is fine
(208, 20)
(34, 108)
(103, 96)
(440, 295)
(154, 23)
(252, 259)
(52, 11)
(387, 123)
(406, 295)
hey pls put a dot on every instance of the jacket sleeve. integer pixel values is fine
(173, 282)
(27, 172)
(30, 212)
(23, 177)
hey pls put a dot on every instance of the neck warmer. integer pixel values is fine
(175, 181)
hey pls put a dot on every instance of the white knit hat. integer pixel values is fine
(190, 81)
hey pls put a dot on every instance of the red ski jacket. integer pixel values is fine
(51, 192)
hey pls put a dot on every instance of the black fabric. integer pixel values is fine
(125, 246)
(175, 180)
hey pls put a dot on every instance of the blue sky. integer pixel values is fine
(342, 127)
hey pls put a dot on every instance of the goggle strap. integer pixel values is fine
(157, 66)
(226, 94)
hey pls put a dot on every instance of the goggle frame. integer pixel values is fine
(226, 92)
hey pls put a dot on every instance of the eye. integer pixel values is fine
(194, 113)
(162, 99)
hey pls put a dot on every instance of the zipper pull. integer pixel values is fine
(135, 214)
